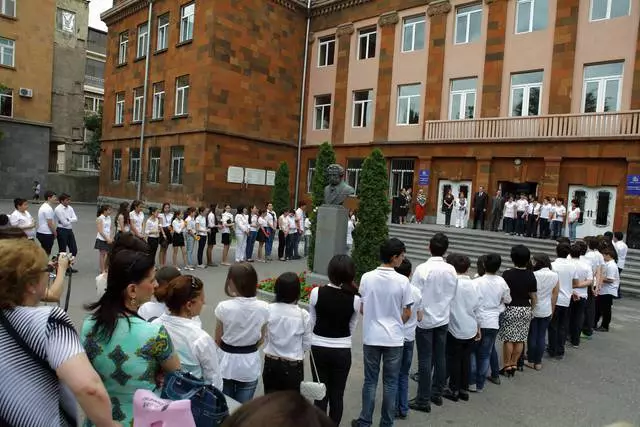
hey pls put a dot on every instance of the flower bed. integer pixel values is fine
(267, 286)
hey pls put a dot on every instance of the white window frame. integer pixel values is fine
(526, 91)
(463, 99)
(134, 177)
(608, 15)
(123, 47)
(85, 163)
(138, 102)
(158, 101)
(325, 110)
(468, 15)
(177, 165)
(116, 165)
(364, 118)
(355, 172)
(532, 10)
(367, 33)
(10, 45)
(96, 103)
(406, 121)
(6, 12)
(324, 46)
(182, 97)
(7, 93)
(60, 25)
(413, 22)
(602, 87)
(143, 41)
(154, 165)
(119, 118)
(162, 42)
(311, 169)
(187, 22)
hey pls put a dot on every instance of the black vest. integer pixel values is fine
(334, 310)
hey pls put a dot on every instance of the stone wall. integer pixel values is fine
(81, 188)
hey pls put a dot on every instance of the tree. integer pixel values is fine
(326, 156)
(93, 123)
(280, 194)
(372, 229)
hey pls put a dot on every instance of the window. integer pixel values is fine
(354, 168)
(609, 9)
(158, 101)
(66, 21)
(134, 164)
(311, 170)
(182, 96)
(119, 108)
(177, 165)
(468, 23)
(163, 32)
(116, 165)
(82, 162)
(143, 37)
(601, 88)
(413, 36)
(323, 112)
(94, 73)
(8, 7)
(462, 102)
(6, 103)
(154, 165)
(362, 109)
(122, 48)
(525, 94)
(367, 43)
(7, 52)
(408, 105)
(93, 104)
(138, 104)
(326, 51)
(187, 13)
(531, 15)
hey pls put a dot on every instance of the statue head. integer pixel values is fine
(334, 174)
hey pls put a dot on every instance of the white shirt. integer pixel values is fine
(283, 223)
(45, 213)
(521, 205)
(300, 218)
(621, 249)
(410, 326)
(465, 307)
(190, 225)
(227, 218)
(136, 219)
(242, 224)
(178, 226)
(574, 214)
(384, 294)
(437, 282)
(596, 259)
(253, 225)
(152, 310)
(307, 227)
(289, 331)
(166, 219)
(23, 220)
(196, 349)
(106, 227)
(152, 227)
(262, 222)
(101, 284)
(271, 218)
(211, 220)
(293, 228)
(201, 225)
(65, 216)
(536, 208)
(127, 227)
(583, 272)
(530, 209)
(509, 210)
(242, 320)
(343, 342)
(494, 294)
(611, 272)
(545, 210)
(559, 213)
(566, 270)
(546, 281)
(350, 228)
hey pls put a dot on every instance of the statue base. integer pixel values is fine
(331, 239)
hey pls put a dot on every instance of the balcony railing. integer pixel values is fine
(565, 126)
(94, 81)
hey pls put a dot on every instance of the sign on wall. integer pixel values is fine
(633, 185)
(254, 176)
(235, 175)
(238, 175)
(271, 178)
(423, 177)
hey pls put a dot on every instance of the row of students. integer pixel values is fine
(526, 216)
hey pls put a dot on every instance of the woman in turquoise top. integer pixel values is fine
(127, 352)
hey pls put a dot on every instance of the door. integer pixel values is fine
(456, 187)
(401, 176)
(597, 209)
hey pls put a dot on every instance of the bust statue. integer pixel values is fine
(337, 190)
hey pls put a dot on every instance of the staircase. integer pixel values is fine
(475, 243)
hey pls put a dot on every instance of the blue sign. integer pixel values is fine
(633, 185)
(423, 177)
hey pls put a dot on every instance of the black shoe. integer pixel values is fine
(73, 270)
(601, 329)
(401, 416)
(448, 394)
(436, 400)
(355, 423)
(418, 406)
(495, 380)
(464, 395)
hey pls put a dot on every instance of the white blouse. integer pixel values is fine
(253, 226)
(106, 227)
(242, 224)
(546, 281)
(289, 330)
(211, 220)
(178, 226)
(137, 220)
(152, 227)
(190, 225)
(166, 219)
(201, 225)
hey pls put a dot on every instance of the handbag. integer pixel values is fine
(310, 389)
(151, 411)
(208, 404)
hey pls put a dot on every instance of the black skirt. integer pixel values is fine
(226, 238)
(213, 231)
(261, 237)
(166, 241)
(101, 245)
(178, 240)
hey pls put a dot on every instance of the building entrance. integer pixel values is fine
(456, 188)
(597, 208)
(514, 189)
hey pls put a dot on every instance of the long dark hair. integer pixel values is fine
(124, 211)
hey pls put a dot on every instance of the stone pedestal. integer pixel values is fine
(331, 239)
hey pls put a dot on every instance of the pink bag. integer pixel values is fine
(151, 411)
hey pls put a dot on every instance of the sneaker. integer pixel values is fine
(463, 395)
(202, 266)
(473, 388)
(451, 395)
(419, 406)
(585, 336)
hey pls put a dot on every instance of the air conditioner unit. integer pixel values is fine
(25, 92)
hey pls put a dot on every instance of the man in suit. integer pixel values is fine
(497, 209)
(480, 201)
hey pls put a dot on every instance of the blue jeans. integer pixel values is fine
(536, 340)
(238, 390)
(296, 244)
(494, 363)
(556, 227)
(482, 355)
(251, 240)
(190, 242)
(391, 362)
(432, 347)
(402, 402)
(572, 230)
(269, 244)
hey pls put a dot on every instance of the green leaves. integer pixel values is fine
(280, 196)
(93, 123)
(326, 156)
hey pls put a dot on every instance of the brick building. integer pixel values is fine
(537, 96)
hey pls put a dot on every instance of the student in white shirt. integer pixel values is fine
(559, 326)
(242, 232)
(559, 213)
(545, 215)
(307, 236)
(533, 217)
(263, 234)
(437, 282)
(621, 249)
(572, 219)
(240, 330)
(178, 226)
(508, 222)
(65, 218)
(272, 219)
(547, 287)
(300, 215)
(123, 222)
(213, 226)
(292, 236)
(253, 233)
(225, 231)
(22, 219)
(596, 260)
(190, 238)
(155, 308)
(202, 231)
(577, 307)
(103, 238)
(521, 212)
(464, 329)
(609, 290)
(136, 219)
(283, 230)
(196, 349)
(386, 307)
(287, 338)
(461, 208)
(152, 230)
(350, 228)
(166, 217)
(46, 231)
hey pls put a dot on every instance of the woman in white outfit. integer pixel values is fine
(242, 231)
(461, 209)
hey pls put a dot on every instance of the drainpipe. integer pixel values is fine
(302, 100)
(144, 99)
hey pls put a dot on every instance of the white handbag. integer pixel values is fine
(312, 390)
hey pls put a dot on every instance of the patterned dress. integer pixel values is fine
(128, 362)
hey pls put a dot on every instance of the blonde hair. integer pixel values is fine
(22, 262)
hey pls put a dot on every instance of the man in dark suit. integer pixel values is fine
(497, 209)
(480, 202)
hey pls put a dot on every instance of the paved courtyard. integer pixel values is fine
(595, 385)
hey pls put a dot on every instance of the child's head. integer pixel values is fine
(608, 253)
(563, 240)
(563, 250)
(242, 281)
(541, 261)
(163, 276)
(480, 265)
(520, 256)
(287, 288)
(460, 262)
(439, 244)
(153, 211)
(492, 263)
(404, 268)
